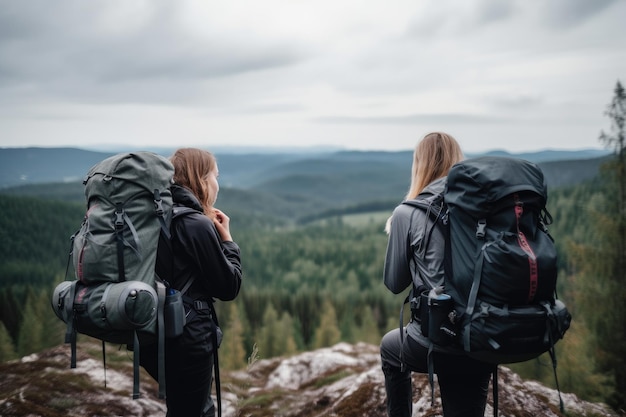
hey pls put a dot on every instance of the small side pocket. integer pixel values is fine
(174, 314)
(562, 321)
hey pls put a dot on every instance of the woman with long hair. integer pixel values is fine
(206, 265)
(415, 258)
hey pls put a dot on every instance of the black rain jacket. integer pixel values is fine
(199, 253)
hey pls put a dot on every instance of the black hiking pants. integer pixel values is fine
(463, 382)
(188, 367)
(188, 379)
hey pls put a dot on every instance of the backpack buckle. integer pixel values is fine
(480, 228)
(158, 203)
(200, 305)
(119, 216)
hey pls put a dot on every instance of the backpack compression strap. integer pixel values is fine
(161, 339)
(471, 304)
(122, 218)
(551, 322)
(119, 234)
(473, 294)
(70, 333)
(164, 237)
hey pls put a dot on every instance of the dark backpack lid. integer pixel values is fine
(477, 185)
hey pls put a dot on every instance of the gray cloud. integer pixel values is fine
(571, 13)
(517, 101)
(69, 51)
(444, 19)
(418, 119)
(488, 11)
(21, 20)
(277, 108)
(308, 71)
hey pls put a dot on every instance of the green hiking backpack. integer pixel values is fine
(116, 295)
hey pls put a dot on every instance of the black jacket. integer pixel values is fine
(198, 252)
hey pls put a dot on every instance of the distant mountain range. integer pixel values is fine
(297, 186)
(21, 166)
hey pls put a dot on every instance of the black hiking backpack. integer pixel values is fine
(500, 263)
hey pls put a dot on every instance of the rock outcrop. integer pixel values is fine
(343, 380)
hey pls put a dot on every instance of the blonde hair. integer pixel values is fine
(433, 157)
(191, 166)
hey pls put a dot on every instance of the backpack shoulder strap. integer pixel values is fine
(432, 204)
(164, 250)
(434, 207)
(178, 212)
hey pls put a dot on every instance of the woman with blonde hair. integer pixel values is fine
(205, 265)
(414, 257)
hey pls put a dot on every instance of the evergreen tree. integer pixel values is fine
(602, 261)
(297, 334)
(576, 375)
(53, 329)
(268, 335)
(367, 331)
(614, 139)
(232, 350)
(287, 329)
(277, 335)
(306, 310)
(616, 111)
(7, 349)
(10, 314)
(347, 326)
(31, 330)
(392, 323)
(327, 333)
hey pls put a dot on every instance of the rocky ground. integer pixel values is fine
(344, 380)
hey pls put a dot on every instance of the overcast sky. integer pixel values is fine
(361, 74)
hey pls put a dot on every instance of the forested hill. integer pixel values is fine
(277, 187)
(283, 170)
